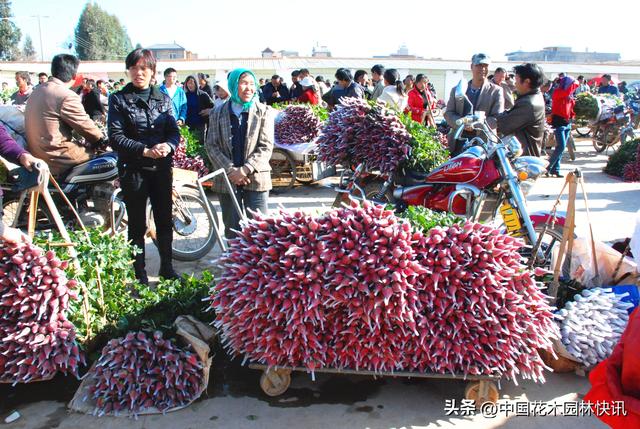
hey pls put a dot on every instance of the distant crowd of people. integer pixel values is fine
(414, 95)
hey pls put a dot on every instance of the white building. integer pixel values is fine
(444, 74)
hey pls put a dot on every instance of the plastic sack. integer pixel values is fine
(190, 331)
(634, 245)
(583, 270)
(618, 379)
(12, 118)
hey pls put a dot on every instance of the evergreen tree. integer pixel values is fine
(28, 51)
(9, 34)
(100, 36)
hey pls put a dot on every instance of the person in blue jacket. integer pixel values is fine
(177, 95)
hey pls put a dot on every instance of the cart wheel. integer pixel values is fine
(275, 382)
(283, 169)
(481, 392)
(304, 173)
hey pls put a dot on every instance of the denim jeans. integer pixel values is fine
(248, 200)
(562, 134)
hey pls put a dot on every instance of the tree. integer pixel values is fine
(28, 51)
(9, 34)
(100, 36)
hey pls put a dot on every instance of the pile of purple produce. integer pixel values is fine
(358, 288)
(358, 132)
(297, 124)
(36, 338)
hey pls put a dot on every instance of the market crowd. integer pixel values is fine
(233, 119)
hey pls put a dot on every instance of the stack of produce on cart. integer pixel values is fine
(361, 132)
(190, 154)
(297, 123)
(36, 338)
(140, 372)
(359, 288)
(586, 106)
(592, 324)
(595, 107)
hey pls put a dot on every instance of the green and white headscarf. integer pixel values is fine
(232, 81)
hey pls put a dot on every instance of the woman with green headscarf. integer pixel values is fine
(240, 140)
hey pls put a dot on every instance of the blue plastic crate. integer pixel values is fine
(633, 294)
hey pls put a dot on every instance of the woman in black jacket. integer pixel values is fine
(199, 105)
(143, 130)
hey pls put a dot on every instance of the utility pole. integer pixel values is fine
(40, 33)
(39, 30)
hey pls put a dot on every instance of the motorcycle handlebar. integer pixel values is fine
(466, 120)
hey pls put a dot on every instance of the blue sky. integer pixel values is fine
(444, 29)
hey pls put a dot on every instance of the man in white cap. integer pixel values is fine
(483, 96)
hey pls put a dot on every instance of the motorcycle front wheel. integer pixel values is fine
(12, 210)
(372, 192)
(603, 137)
(549, 246)
(583, 131)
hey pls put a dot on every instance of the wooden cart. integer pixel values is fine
(289, 166)
(480, 388)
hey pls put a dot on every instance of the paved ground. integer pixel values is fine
(235, 401)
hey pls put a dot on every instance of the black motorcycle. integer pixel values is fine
(93, 191)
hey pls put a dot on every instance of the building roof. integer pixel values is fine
(166, 46)
(267, 51)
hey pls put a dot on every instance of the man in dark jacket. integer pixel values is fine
(526, 118)
(606, 87)
(91, 101)
(346, 87)
(296, 89)
(275, 92)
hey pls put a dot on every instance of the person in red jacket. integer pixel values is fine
(309, 94)
(420, 101)
(562, 103)
(616, 381)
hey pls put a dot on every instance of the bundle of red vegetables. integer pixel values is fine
(297, 124)
(36, 339)
(483, 313)
(357, 132)
(191, 163)
(139, 372)
(358, 288)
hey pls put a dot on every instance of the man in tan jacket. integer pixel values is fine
(483, 96)
(52, 113)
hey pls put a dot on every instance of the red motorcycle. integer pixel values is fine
(487, 178)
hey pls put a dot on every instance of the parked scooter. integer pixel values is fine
(612, 126)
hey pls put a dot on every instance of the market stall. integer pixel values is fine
(294, 159)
